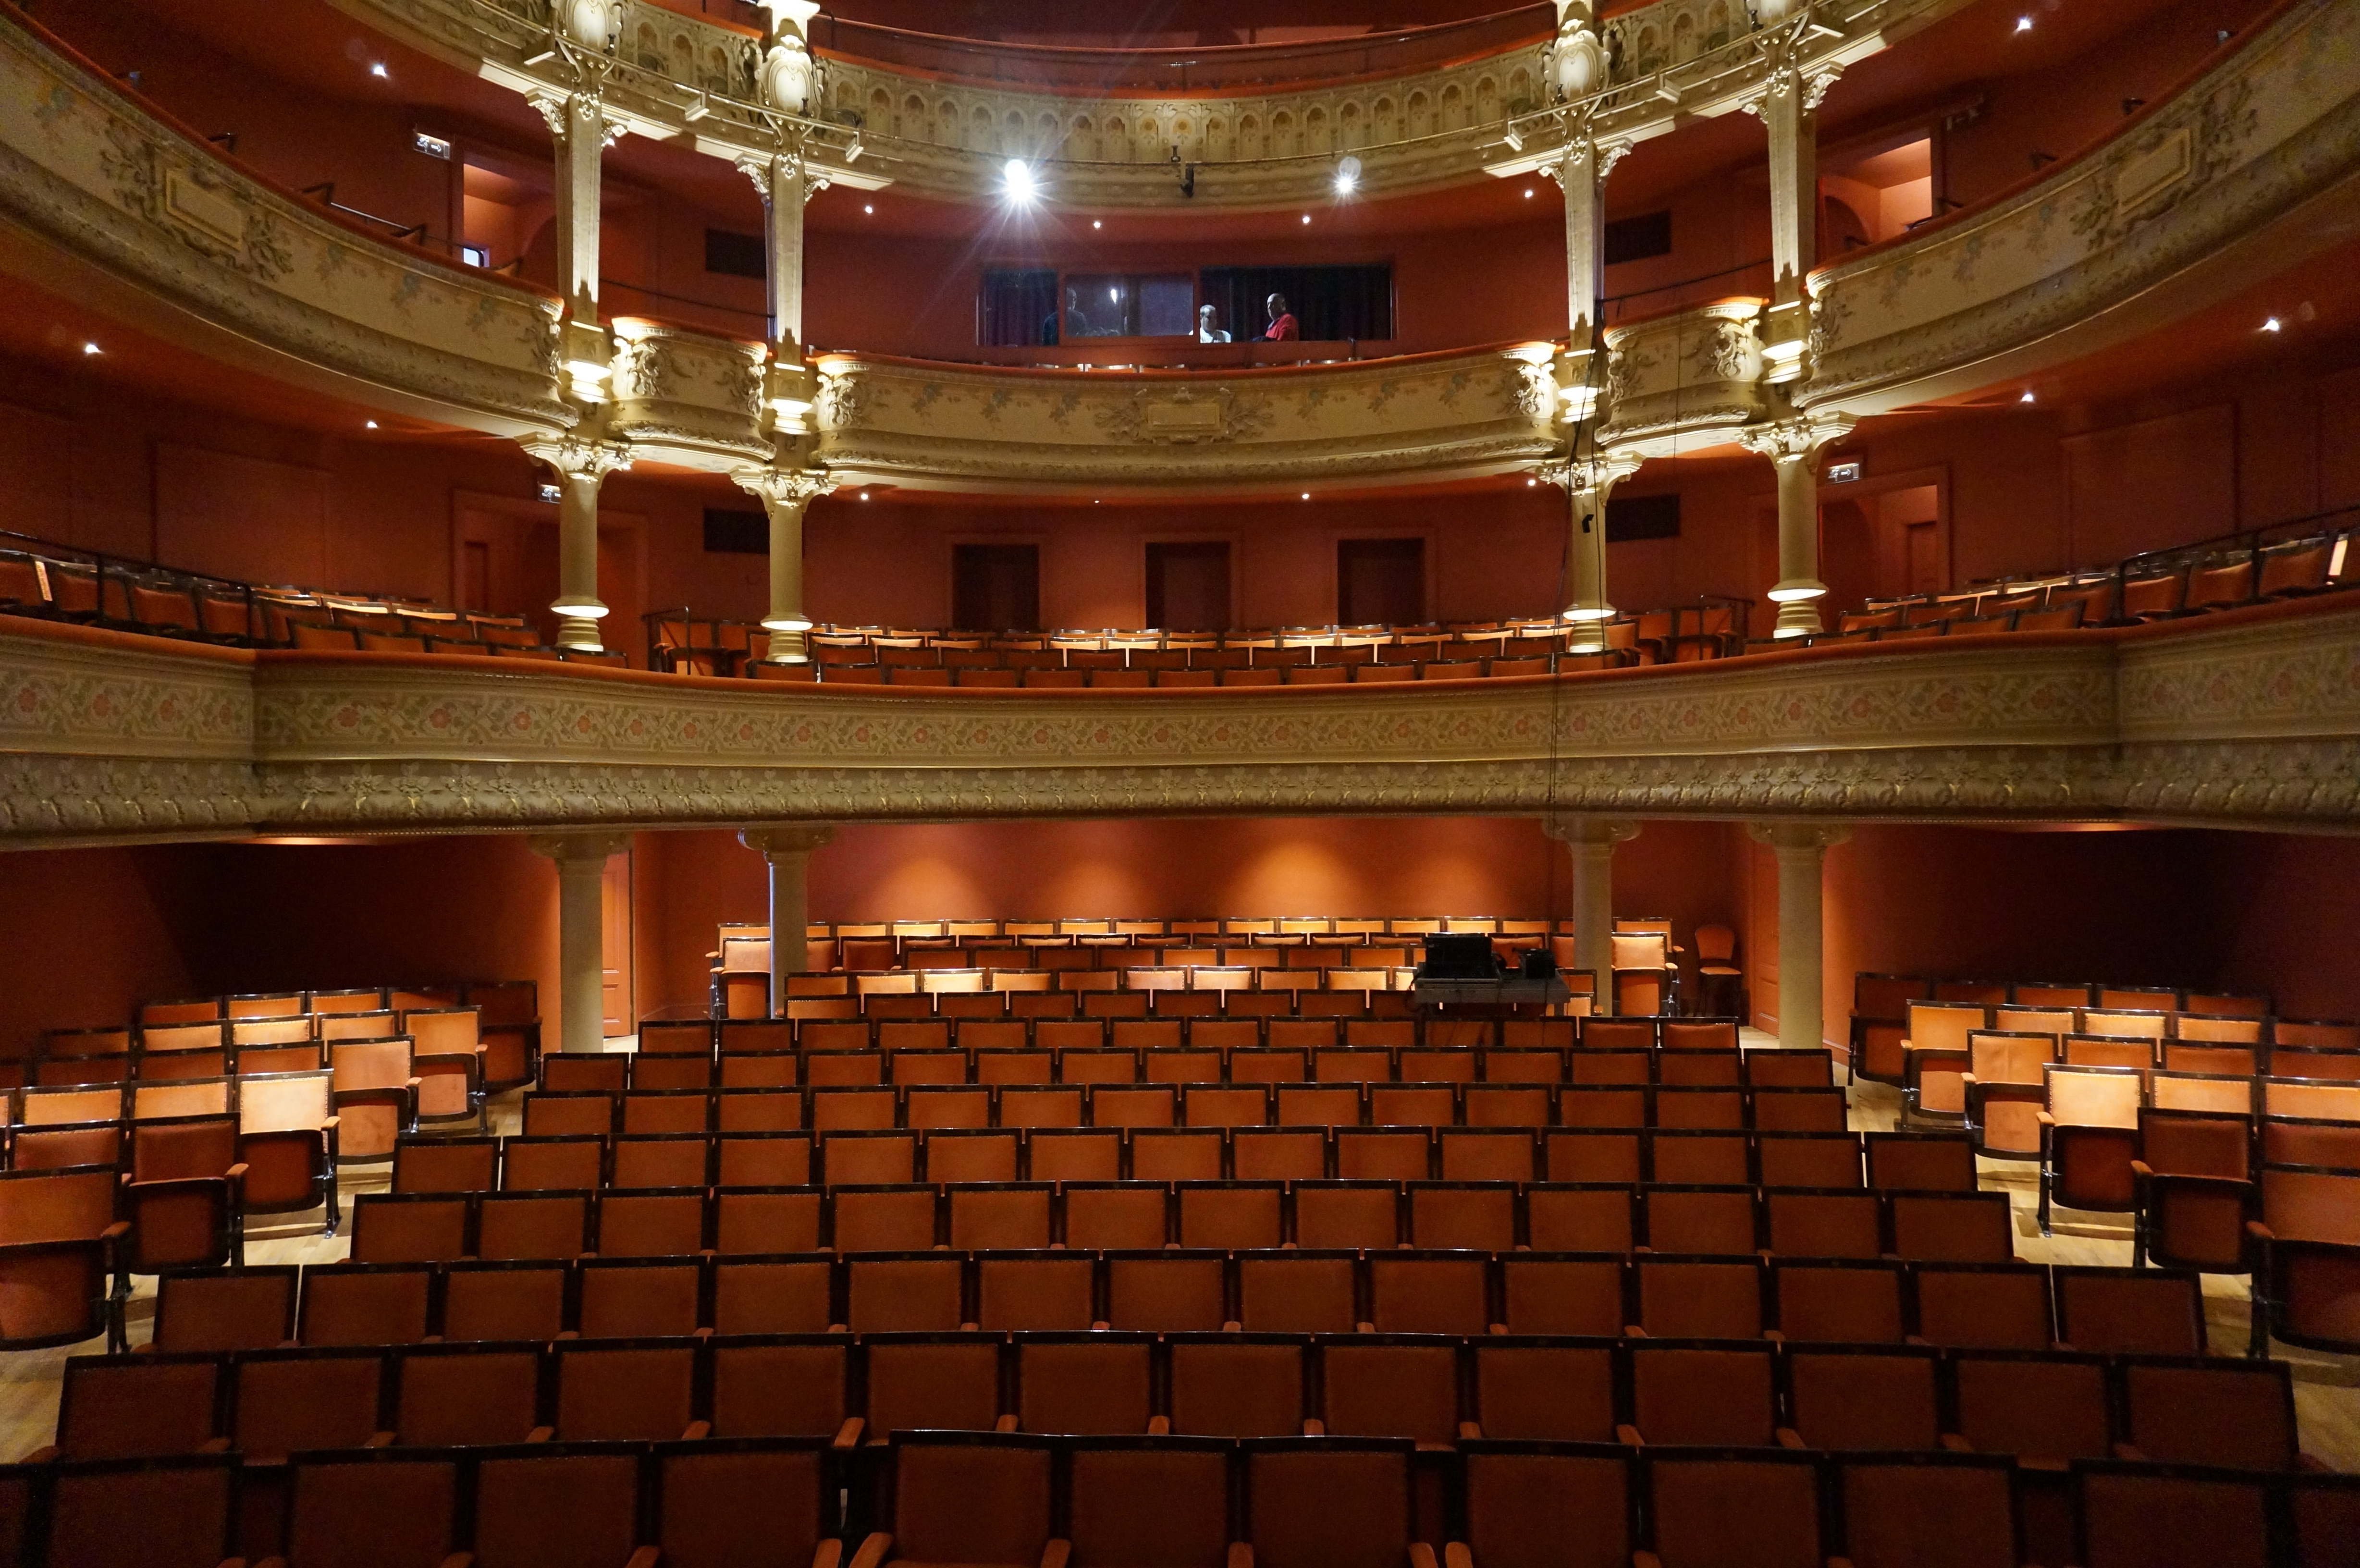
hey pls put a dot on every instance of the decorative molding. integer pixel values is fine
(2271, 126)
(949, 426)
(87, 170)
(1679, 376)
(687, 399)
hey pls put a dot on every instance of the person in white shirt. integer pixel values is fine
(1205, 331)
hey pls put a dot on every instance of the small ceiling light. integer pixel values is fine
(2024, 24)
(1021, 184)
(1347, 175)
(2271, 325)
(90, 348)
(1306, 494)
(370, 424)
(2027, 398)
(1306, 217)
(864, 494)
(1530, 483)
(377, 69)
(1095, 224)
(866, 207)
(1528, 192)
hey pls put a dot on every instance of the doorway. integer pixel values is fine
(1888, 539)
(504, 562)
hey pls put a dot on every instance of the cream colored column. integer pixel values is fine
(1788, 106)
(581, 934)
(786, 494)
(581, 466)
(583, 131)
(1590, 841)
(1588, 482)
(1581, 174)
(1793, 446)
(786, 850)
(1801, 849)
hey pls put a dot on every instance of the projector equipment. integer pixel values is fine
(1535, 963)
(1461, 970)
(1466, 956)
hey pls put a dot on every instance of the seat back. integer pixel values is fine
(1332, 1503)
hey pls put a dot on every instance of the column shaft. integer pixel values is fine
(787, 570)
(581, 951)
(1584, 239)
(1593, 918)
(784, 197)
(578, 604)
(1799, 1020)
(789, 913)
(1794, 190)
(580, 144)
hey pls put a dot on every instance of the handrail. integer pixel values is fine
(1163, 70)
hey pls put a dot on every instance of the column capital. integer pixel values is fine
(1791, 838)
(583, 109)
(1597, 470)
(766, 168)
(593, 846)
(1797, 439)
(1572, 828)
(1584, 152)
(773, 839)
(784, 486)
(1789, 82)
(577, 457)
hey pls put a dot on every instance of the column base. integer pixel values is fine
(579, 634)
(1798, 618)
(789, 648)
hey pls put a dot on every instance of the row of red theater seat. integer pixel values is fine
(1601, 1217)
(1435, 1390)
(1018, 1500)
(953, 1157)
(1815, 1300)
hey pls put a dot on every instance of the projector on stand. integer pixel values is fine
(1460, 970)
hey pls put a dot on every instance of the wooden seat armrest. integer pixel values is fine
(1240, 1554)
(1470, 1429)
(540, 1435)
(1159, 1426)
(1839, 1562)
(1456, 1555)
(1646, 1559)
(1632, 1331)
(1055, 1553)
(1364, 1328)
(2129, 1451)
(1314, 1427)
(2142, 1169)
(970, 1328)
(45, 1455)
(1005, 1424)
(116, 1231)
(331, 1124)
(2311, 1464)
(1789, 1438)
(1628, 1436)
(2043, 1463)
(459, 1559)
(697, 1432)
(379, 1439)
(849, 1435)
(830, 1554)
(1102, 1325)
(2258, 1231)
(2044, 1118)
(214, 1445)
(1421, 1556)
(1496, 1328)
(872, 1551)
(645, 1557)
(1953, 1443)
(1772, 1337)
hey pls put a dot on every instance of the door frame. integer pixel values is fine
(1869, 485)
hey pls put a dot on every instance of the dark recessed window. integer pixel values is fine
(996, 587)
(1636, 239)
(1632, 518)
(1380, 581)
(1019, 307)
(739, 255)
(1329, 304)
(729, 531)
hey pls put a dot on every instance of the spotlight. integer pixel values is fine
(90, 348)
(369, 424)
(1528, 192)
(868, 209)
(1095, 224)
(2027, 398)
(2271, 325)
(1022, 185)
(2024, 24)
(1306, 494)
(1306, 217)
(864, 494)
(1531, 483)
(1347, 175)
(377, 69)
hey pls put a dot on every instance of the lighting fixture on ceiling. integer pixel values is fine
(2024, 24)
(377, 69)
(1022, 183)
(1347, 175)
(2027, 395)
(369, 424)
(2271, 325)
(90, 348)
(868, 208)
(1306, 217)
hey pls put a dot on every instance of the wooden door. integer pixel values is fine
(614, 945)
(1762, 935)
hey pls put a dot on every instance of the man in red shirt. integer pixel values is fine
(1282, 325)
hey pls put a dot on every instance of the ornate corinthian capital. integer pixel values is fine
(784, 486)
(1789, 441)
(578, 458)
(786, 838)
(1799, 837)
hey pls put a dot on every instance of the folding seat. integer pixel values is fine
(1178, 1154)
(956, 1157)
(446, 1164)
(1347, 1214)
(570, 1163)
(1731, 1510)
(1042, 1105)
(1330, 1503)
(1011, 1067)
(1318, 1105)
(1496, 1154)
(1862, 1396)
(1789, 1068)
(1170, 1292)
(568, 1115)
(1951, 1227)
(1212, 1106)
(364, 1303)
(1097, 1385)
(1697, 1393)
(772, 1295)
(1822, 1159)
(137, 1513)
(910, 1293)
(2099, 1050)
(1256, 1065)
(1160, 1500)
(1523, 1064)
(538, 1226)
(651, 1223)
(1454, 1065)
(727, 1503)
(504, 1301)
(1411, 1105)
(1142, 1105)
(1395, 1155)
(142, 1407)
(862, 1069)
(1798, 1109)
(1925, 1510)
(758, 1110)
(666, 1159)
(1690, 1158)
(1294, 1291)
(1585, 1107)
(226, 1308)
(2152, 1516)
(422, 1227)
(1943, 1162)
(182, 1196)
(1543, 1293)
(382, 1507)
(286, 1401)
(1351, 1065)
(868, 1158)
(1062, 1035)
(883, 1219)
(2090, 1139)
(1698, 1298)
(767, 1220)
(2049, 1405)
(787, 1386)
(1448, 1215)
(1802, 1223)
(573, 1073)
(1227, 1215)
(632, 1298)
(1113, 1216)
(2199, 1410)
(637, 1391)
(853, 1110)
(1381, 1387)
(62, 1147)
(761, 1159)
(1702, 1219)
(1445, 1293)
(556, 1504)
(1691, 1069)
(1035, 1290)
(1594, 1155)
(2323, 1519)
(1543, 1505)
(1837, 1301)
(2130, 1310)
(932, 1382)
(656, 1110)
(1003, 1215)
(1279, 1154)
(1575, 1217)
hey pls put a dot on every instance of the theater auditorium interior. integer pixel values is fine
(1208, 784)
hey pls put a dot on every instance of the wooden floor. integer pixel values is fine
(2327, 1387)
